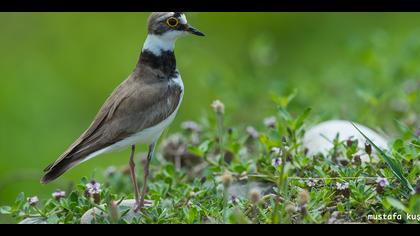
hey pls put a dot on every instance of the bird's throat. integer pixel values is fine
(159, 43)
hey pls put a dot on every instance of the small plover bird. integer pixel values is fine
(140, 108)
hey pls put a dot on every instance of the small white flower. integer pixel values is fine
(276, 151)
(110, 170)
(311, 183)
(33, 200)
(276, 162)
(383, 182)
(218, 106)
(270, 122)
(93, 188)
(234, 199)
(342, 186)
(58, 194)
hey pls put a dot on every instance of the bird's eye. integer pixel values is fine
(172, 22)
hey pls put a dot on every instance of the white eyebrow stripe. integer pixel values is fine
(183, 19)
(166, 15)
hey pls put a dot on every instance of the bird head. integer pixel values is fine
(170, 25)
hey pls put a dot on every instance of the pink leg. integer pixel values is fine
(146, 174)
(133, 176)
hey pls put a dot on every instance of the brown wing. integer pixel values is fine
(134, 105)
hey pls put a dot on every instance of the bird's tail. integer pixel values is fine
(56, 169)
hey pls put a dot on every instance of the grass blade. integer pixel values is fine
(392, 162)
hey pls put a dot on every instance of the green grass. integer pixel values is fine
(214, 186)
(58, 68)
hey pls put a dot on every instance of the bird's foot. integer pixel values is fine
(140, 206)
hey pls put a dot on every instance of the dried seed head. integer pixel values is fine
(218, 107)
(290, 208)
(284, 140)
(303, 197)
(113, 211)
(32, 201)
(289, 157)
(343, 161)
(243, 176)
(174, 145)
(96, 198)
(368, 148)
(254, 195)
(418, 187)
(380, 189)
(349, 142)
(126, 170)
(226, 179)
(230, 131)
(357, 160)
(192, 194)
(228, 157)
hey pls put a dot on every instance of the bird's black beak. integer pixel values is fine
(194, 31)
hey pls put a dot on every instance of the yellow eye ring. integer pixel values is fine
(172, 22)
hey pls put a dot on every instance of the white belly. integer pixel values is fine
(146, 136)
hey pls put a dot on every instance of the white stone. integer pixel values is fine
(33, 221)
(88, 217)
(318, 139)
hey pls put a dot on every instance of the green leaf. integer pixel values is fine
(5, 210)
(264, 139)
(73, 197)
(414, 204)
(20, 198)
(236, 216)
(396, 204)
(398, 144)
(53, 219)
(283, 101)
(302, 118)
(285, 115)
(204, 147)
(340, 207)
(169, 170)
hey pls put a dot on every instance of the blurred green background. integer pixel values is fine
(57, 69)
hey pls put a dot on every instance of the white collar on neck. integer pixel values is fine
(157, 43)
